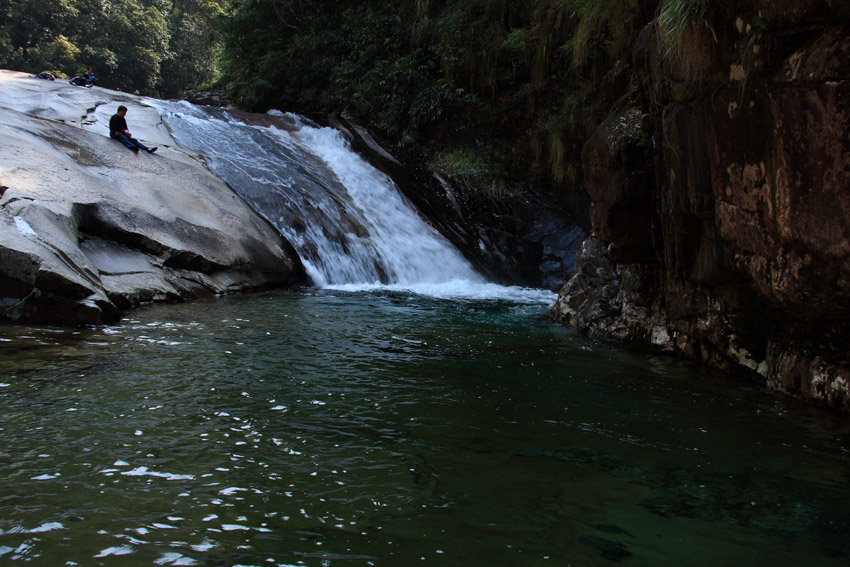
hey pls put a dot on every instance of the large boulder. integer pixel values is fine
(89, 229)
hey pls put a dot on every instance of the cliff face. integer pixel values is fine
(721, 203)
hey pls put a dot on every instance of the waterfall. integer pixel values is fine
(348, 222)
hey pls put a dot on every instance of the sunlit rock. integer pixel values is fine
(88, 228)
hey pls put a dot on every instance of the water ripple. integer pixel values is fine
(332, 428)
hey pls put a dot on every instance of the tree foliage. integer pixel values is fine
(514, 83)
(154, 47)
(506, 79)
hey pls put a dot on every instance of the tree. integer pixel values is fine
(194, 46)
(151, 47)
(508, 82)
(27, 24)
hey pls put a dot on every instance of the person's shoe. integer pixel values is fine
(151, 150)
(136, 149)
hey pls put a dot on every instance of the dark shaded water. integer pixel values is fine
(332, 429)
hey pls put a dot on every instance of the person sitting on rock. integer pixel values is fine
(91, 80)
(118, 131)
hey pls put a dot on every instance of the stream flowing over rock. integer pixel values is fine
(721, 225)
(89, 229)
(232, 201)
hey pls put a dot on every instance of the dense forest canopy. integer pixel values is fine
(153, 47)
(483, 88)
(486, 85)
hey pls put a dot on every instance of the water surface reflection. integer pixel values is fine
(334, 428)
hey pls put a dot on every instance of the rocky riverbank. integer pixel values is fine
(89, 229)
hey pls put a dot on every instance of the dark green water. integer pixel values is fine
(334, 429)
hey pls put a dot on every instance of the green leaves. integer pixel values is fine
(518, 77)
(154, 47)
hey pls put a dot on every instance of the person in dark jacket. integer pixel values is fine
(118, 131)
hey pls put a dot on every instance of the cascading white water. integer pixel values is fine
(349, 223)
(406, 250)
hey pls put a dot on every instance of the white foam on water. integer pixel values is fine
(174, 558)
(144, 471)
(117, 550)
(205, 545)
(461, 289)
(410, 250)
(46, 476)
(352, 227)
(47, 527)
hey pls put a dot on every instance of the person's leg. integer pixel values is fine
(126, 141)
(139, 145)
